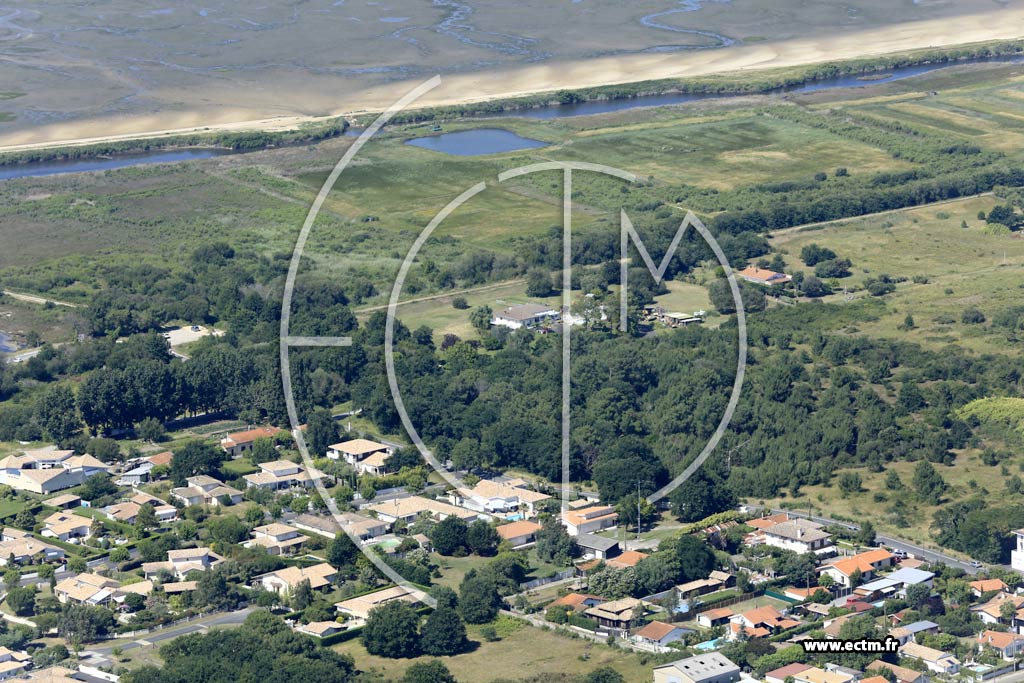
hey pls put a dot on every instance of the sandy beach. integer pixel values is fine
(355, 99)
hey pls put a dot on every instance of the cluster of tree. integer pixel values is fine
(452, 536)
(676, 561)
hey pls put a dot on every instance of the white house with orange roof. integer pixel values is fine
(495, 497)
(1007, 644)
(867, 563)
(239, 443)
(763, 276)
(589, 520)
(519, 534)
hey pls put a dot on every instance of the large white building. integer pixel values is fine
(49, 469)
(1017, 554)
(799, 535)
(525, 315)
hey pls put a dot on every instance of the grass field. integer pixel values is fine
(967, 477)
(986, 272)
(522, 651)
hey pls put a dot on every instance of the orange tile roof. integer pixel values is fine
(630, 558)
(251, 435)
(756, 632)
(163, 458)
(768, 522)
(574, 600)
(986, 585)
(718, 613)
(656, 630)
(864, 561)
(517, 529)
(998, 639)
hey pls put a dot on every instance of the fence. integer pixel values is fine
(560, 576)
(715, 604)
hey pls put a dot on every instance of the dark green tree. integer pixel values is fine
(391, 631)
(479, 600)
(443, 633)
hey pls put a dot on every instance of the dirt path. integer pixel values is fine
(33, 299)
(787, 232)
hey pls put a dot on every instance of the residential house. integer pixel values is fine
(630, 558)
(13, 662)
(409, 508)
(577, 602)
(524, 315)
(162, 459)
(163, 511)
(124, 512)
(707, 668)
(1016, 555)
(715, 617)
(365, 456)
(589, 519)
(26, 549)
(358, 608)
(519, 534)
(88, 589)
(65, 526)
(760, 622)
(277, 539)
(206, 490)
(498, 498)
(762, 276)
(617, 614)
(64, 501)
(936, 661)
(320, 629)
(239, 443)
(137, 475)
(908, 633)
(142, 588)
(279, 475)
(866, 564)
(982, 586)
(597, 547)
(906, 577)
(801, 536)
(180, 562)
(362, 527)
(991, 612)
(789, 671)
(1008, 645)
(902, 673)
(876, 590)
(49, 469)
(284, 581)
(174, 587)
(658, 634)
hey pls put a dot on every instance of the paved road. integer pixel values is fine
(891, 541)
(161, 635)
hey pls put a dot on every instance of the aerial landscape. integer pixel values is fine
(459, 341)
